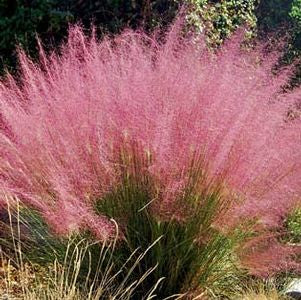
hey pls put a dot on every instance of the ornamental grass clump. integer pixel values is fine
(172, 141)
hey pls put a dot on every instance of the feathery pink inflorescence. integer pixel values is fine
(63, 118)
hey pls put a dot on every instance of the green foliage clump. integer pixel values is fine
(282, 20)
(272, 15)
(294, 225)
(218, 19)
(21, 21)
(295, 12)
(295, 16)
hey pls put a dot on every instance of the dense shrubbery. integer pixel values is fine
(280, 19)
(21, 21)
(219, 19)
(273, 14)
(156, 133)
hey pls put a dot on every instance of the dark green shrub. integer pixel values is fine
(22, 20)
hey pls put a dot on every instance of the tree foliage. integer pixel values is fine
(218, 19)
(22, 20)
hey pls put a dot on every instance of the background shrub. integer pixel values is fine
(22, 20)
(219, 19)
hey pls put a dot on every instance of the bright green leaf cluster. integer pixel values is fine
(294, 225)
(219, 19)
(295, 13)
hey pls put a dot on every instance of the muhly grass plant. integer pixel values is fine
(192, 254)
(189, 151)
(75, 267)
